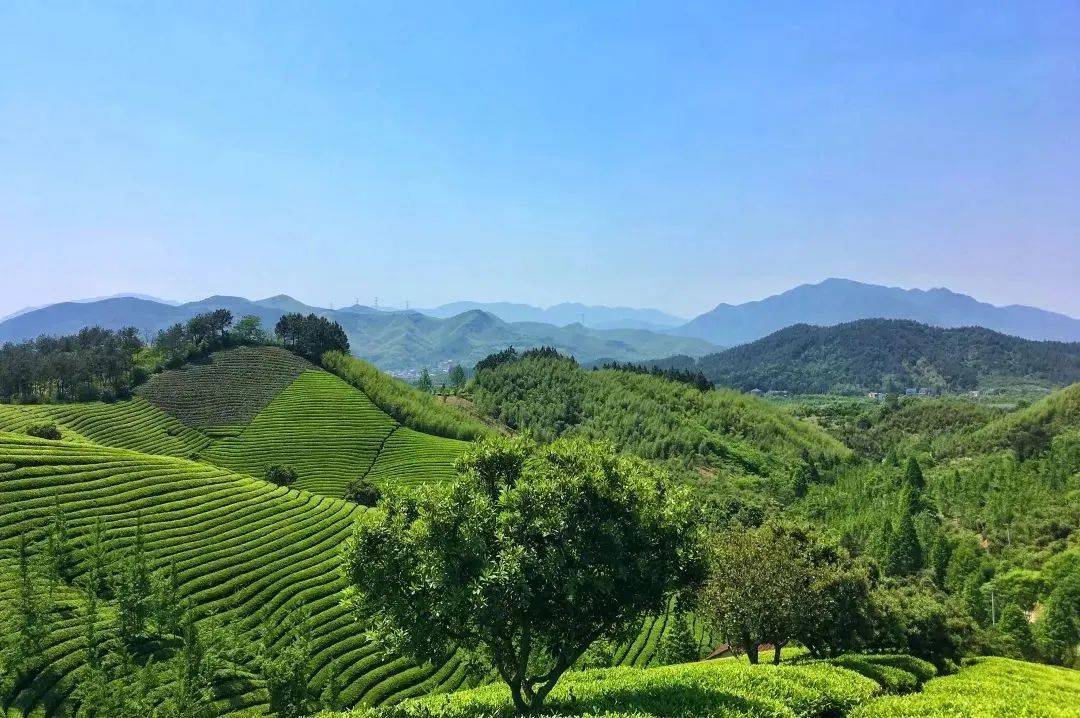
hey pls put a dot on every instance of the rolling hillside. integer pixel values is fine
(250, 408)
(400, 341)
(879, 354)
(242, 546)
(835, 301)
(722, 438)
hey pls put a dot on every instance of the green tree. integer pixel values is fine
(528, 558)
(425, 382)
(904, 551)
(938, 560)
(249, 331)
(1059, 628)
(757, 579)
(95, 560)
(60, 560)
(1014, 629)
(458, 377)
(679, 644)
(192, 686)
(285, 664)
(281, 475)
(131, 587)
(913, 475)
(167, 608)
(29, 620)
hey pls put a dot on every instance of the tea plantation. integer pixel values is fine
(710, 688)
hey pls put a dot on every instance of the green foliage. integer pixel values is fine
(720, 689)
(991, 688)
(1059, 628)
(711, 436)
(61, 562)
(44, 431)
(529, 558)
(1015, 632)
(914, 620)
(281, 475)
(131, 588)
(404, 403)
(458, 377)
(311, 336)
(363, 492)
(679, 644)
(228, 388)
(903, 553)
(889, 354)
(775, 584)
(94, 363)
(425, 383)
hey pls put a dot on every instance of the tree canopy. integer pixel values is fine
(532, 555)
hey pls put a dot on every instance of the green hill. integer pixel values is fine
(227, 389)
(1027, 431)
(881, 354)
(719, 437)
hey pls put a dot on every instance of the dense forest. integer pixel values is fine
(889, 355)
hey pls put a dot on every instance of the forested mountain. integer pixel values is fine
(834, 301)
(595, 317)
(889, 354)
(401, 342)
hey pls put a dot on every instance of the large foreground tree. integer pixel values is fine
(532, 555)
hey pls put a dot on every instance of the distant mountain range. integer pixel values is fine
(888, 354)
(400, 342)
(834, 301)
(594, 317)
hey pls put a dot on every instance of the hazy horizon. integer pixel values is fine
(671, 158)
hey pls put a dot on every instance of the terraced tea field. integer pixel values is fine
(136, 424)
(228, 389)
(710, 688)
(992, 688)
(327, 430)
(241, 545)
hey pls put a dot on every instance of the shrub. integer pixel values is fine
(281, 475)
(44, 431)
(363, 492)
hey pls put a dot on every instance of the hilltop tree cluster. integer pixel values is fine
(93, 364)
(311, 336)
(685, 376)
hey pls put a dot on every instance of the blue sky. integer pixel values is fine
(618, 153)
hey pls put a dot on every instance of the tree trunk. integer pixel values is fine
(776, 654)
(751, 648)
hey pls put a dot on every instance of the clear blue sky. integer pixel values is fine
(622, 153)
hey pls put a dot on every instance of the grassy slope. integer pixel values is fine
(329, 432)
(228, 389)
(721, 434)
(136, 424)
(241, 545)
(710, 688)
(992, 688)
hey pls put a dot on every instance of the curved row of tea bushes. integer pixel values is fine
(136, 424)
(325, 429)
(707, 688)
(410, 457)
(228, 388)
(245, 551)
(991, 688)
